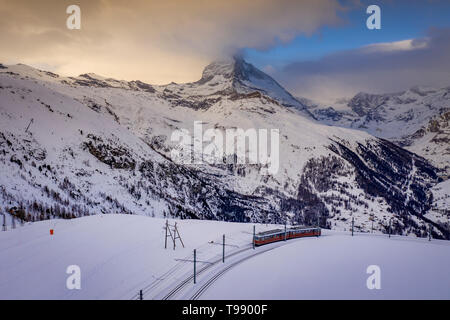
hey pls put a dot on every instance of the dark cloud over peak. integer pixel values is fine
(378, 68)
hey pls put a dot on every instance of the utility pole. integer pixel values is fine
(390, 227)
(195, 261)
(31, 121)
(173, 238)
(353, 224)
(167, 227)
(4, 222)
(371, 218)
(141, 295)
(254, 236)
(173, 235)
(176, 235)
(223, 250)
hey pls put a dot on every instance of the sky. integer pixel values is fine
(319, 49)
(412, 48)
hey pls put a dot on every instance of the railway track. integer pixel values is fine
(188, 280)
(214, 278)
(180, 286)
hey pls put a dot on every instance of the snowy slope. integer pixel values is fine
(416, 119)
(101, 145)
(334, 267)
(121, 254)
(440, 210)
(118, 255)
(53, 155)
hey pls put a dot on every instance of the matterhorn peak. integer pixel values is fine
(224, 67)
(243, 77)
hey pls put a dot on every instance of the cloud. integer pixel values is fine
(151, 40)
(404, 45)
(377, 68)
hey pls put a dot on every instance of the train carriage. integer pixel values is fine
(270, 236)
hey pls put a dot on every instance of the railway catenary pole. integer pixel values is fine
(28, 127)
(285, 232)
(429, 232)
(223, 250)
(174, 235)
(195, 261)
(390, 227)
(167, 226)
(254, 236)
(4, 222)
(141, 295)
(353, 224)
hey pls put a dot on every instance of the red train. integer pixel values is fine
(291, 233)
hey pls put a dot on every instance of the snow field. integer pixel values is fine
(122, 254)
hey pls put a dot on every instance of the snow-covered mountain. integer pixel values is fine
(416, 119)
(72, 146)
(236, 76)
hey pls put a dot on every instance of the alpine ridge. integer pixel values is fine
(74, 146)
